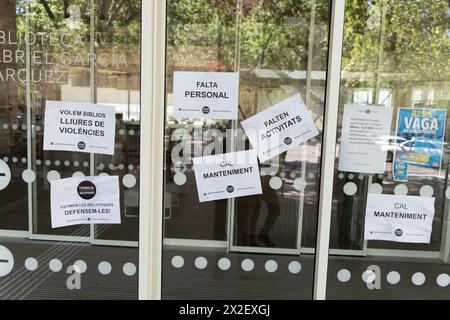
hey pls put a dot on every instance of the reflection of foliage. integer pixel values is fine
(274, 34)
(416, 39)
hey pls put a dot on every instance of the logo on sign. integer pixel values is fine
(206, 110)
(288, 141)
(230, 189)
(81, 145)
(398, 232)
(86, 190)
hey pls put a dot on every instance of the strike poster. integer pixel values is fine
(399, 218)
(80, 127)
(209, 95)
(364, 139)
(85, 200)
(420, 142)
(229, 175)
(279, 128)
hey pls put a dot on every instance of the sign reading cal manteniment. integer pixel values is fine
(81, 127)
(85, 200)
(210, 95)
(280, 128)
(399, 218)
(228, 175)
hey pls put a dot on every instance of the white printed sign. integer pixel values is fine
(280, 128)
(82, 127)
(365, 138)
(210, 95)
(399, 218)
(228, 175)
(85, 200)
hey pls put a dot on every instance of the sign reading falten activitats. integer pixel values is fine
(81, 127)
(399, 218)
(210, 95)
(280, 128)
(85, 200)
(229, 175)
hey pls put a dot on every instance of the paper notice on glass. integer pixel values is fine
(210, 95)
(85, 200)
(399, 218)
(365, 138)
(280, 128)
(81, 127)
(228, 175)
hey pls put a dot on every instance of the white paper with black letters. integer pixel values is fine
(80, 127)
(399, 218)
(85, 200)
(229, 175)
(365, 138)
(209, 95)
(280, 128)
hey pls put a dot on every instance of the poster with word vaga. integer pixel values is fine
(365, 138)
(85, 200)
(399, 218)
(279, 128)
(208, 95)
(420, 142)
(79, 127)
(228, 175)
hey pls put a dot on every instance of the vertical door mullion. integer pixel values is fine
(153, 53)
(328, 149)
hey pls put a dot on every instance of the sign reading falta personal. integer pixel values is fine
(85, 200)
(81, 127)
(210, 95)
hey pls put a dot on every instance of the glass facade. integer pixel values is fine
(387, 169)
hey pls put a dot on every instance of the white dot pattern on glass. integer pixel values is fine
(401, 190)
(179, 179)
(28, 176)
(177, 262)
(24, 127)
(14, 126)
(271, 266)
(201, 263)
(247, 265)
(57, 163)
(350, 188)
(443, 280)
(131, 132)
(5, 126)
(376, 188)
(53, 175)
(418, 278)
(129, 269)
(276, 183)
(48, 163)
(80, 266)
(129, 181)
(294, 267)
(300, 184)
(130, 167)
(23, 160)
(341, 176)
(393, 277)
(76, 164)
(38, 128)
(426, 191)
(66, 163)
(121, 132)
(55, 265)
(283, 174)
(224, 264)
(350, 176)
(293, 175)
(103, 174)
(368, 276)
(86, 164)
(344, 275)
(38, 162)
(14, 159)
(31, 264)
(104, 268)
(78, 174)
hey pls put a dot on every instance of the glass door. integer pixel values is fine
(280, 51)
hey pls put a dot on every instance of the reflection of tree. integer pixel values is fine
(416, 41)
